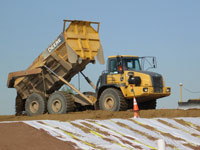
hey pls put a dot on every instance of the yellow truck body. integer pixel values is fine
(72, 50)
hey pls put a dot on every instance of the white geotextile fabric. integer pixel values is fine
(118, 134)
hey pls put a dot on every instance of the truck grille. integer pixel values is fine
(157, 84)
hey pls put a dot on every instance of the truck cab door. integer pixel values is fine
(114, 71)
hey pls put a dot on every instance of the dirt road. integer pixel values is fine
(159, 113)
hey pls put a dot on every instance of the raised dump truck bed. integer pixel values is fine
(69, 54)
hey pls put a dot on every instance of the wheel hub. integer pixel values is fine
(56, 105)
(109, 103)
(34, 106)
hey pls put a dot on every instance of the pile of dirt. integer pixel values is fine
(99, 114)
(24, 137)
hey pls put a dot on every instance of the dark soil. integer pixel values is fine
(158, 113)
(21, 136)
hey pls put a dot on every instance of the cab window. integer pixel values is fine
(113, 66)
(131, 64)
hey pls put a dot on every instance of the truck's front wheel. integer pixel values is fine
(113, 100)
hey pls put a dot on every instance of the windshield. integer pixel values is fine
(131, 64)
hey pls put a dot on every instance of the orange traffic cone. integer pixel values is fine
(135, 108)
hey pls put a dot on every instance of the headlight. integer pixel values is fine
(145, 89)
(168, 89)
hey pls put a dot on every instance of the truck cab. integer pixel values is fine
(126, 78)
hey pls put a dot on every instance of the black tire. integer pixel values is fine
(19, 105)
(35, 104)
(148, 105)
(60, 102)
(113, 100)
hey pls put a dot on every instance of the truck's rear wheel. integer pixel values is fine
(35, 104)
(113, 100)
(19, 105)
(60, 102)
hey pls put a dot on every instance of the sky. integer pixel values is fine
(168, 30)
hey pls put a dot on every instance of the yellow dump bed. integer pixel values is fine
(72, 50)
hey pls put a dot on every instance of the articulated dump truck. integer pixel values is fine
(78, 45)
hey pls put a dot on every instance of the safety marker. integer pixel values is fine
(161, 144)
(135, 108)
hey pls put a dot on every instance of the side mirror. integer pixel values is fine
(154, 62)
(148, 62)
(154, 66)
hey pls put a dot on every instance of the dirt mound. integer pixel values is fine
(24, 137)
(159, 113)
